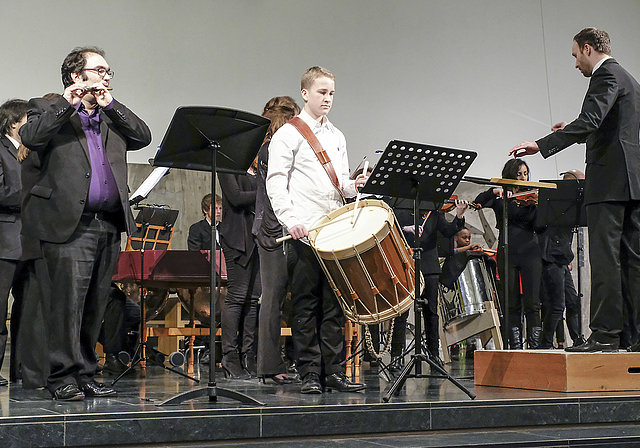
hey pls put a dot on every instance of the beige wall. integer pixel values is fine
(180, 190)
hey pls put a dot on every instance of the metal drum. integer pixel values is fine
(474, 286)
(367, 261)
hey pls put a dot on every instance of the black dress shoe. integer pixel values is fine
(634, 347)
(68, 392)
(3, 381)
(341, 383)
(311, 384)
(581, 340)
(94, 389)
(593, 346)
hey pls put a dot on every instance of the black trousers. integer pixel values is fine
(525, 268)
(32, 349)
(239, 318)
(274, 270)
(317, 316)
(614, 252)
(558, 294)
(553, 299)
(78, 273)
(12, 279)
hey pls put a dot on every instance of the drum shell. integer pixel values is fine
(472, 289)
(374, 259)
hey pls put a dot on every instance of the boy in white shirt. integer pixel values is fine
(301, 193)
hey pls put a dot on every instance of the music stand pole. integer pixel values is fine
(195, 138)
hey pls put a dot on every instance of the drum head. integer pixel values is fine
(340, 234)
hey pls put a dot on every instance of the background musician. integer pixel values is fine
(200, 232)
(462, 241)
(239, 318)
(609, 123)
(301, 193)
(557, 289)
(75, 206)
(13, 114)
(274, 266)
(525, 260)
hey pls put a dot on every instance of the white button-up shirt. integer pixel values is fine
(298, 186)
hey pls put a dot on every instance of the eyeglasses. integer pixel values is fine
(101, 71)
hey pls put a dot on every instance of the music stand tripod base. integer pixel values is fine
(213, 393)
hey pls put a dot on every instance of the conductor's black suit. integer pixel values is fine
(609, 124)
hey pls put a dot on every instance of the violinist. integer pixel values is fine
(525, 260)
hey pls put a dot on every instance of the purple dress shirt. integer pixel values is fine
(103, 191)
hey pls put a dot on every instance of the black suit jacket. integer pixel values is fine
(57, 173)
(199, 236)
(10, 197)
(609, 123)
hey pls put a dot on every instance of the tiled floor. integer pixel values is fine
(427, 412)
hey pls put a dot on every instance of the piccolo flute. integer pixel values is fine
(92, 89)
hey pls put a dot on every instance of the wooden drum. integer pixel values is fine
(368, 261)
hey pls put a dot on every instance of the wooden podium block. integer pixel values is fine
(558, 371)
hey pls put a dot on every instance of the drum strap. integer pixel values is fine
(321, 154)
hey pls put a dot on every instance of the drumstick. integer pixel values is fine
(318, 227)
(364, 171)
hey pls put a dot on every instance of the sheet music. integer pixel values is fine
(149, 183)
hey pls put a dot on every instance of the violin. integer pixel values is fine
(527, 197)
(450, 204)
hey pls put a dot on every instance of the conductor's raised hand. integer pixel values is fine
(298, 231)
(558, 126)
(524, 149)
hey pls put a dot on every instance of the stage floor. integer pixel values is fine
(426, 412)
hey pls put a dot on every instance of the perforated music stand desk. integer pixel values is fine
(212, 139)
(418, 172)
(505, 230)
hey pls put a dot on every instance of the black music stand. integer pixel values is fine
(418, 172)
(564, 206)
(212, 139)
(154, 228)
